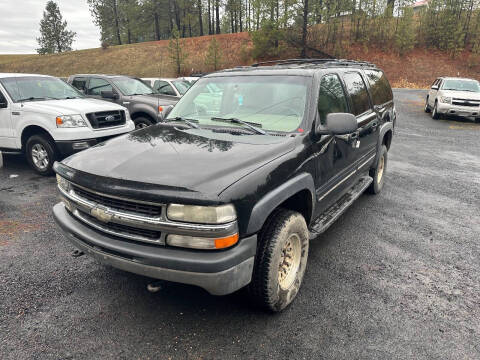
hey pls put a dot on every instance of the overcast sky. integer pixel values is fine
(20, 19)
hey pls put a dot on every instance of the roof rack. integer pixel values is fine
(325, 62)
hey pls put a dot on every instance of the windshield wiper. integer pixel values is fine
(252, 126)
(189, 122)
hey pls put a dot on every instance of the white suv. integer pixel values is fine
(47, 119)
(454, 96)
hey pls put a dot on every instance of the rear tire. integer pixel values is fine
(435, 114)
(141, 123)
(41, 153)
(427, 107)
(281, 260)
(379, 171)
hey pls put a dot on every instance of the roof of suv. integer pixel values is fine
(297, 66)
(102, 75)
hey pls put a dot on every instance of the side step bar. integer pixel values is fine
(324, 221)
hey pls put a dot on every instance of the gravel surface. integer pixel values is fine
(396, 277)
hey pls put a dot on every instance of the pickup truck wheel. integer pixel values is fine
(378, 172)
(41, 154)
(435, 114)
(142, 122)
(281, 260)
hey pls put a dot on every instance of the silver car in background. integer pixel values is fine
(454, 96)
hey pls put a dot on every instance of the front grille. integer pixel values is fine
(119, 204)
(466, 102)
(105, 119)
(122, 229)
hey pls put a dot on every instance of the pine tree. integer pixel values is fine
(54, 36)
(213, 59)
(405, 35)
(177, 54)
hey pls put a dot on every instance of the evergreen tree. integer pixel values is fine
(176, 53)
(405, 35)
(54, 36)
(213, 59)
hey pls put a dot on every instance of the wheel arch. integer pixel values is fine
(296, 194)
(142, 113)
(31, 130)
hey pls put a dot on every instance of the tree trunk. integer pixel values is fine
(157, 25)
(209, 19)
(390, 7)
(117, 25)
(304, 29)
(200, 20)
(217, 16)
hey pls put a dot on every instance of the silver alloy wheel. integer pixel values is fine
(434, 112)
(381, 167)
(289, 261)
(40, 156)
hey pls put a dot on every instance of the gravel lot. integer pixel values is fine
(396, 277)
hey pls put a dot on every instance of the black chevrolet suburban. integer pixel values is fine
(226, 193)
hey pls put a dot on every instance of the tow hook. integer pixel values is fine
(155, 286)
(77, 253)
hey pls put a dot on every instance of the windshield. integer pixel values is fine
(461, 85)
(273, 103)
(37, 88)
(129, 86)
(182, 86)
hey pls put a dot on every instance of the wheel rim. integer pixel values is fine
(434, 112)
(40, 156)
(381, 167)
(289, 261)
(141, 125)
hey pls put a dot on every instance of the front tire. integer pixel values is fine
(141, 123)
(427, 107)
(41, 154)
(435, 114)
(378, 172)
(281, 260)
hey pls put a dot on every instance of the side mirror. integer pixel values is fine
(339, 124)
(3, 104)
(109, 95)
(435, 87)
(167, 111)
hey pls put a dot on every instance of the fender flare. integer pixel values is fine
(264, 207)
(388, 126)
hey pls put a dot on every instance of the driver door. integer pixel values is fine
(432, 93)
(96, 86)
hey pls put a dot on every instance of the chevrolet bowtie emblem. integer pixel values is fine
(101, 214)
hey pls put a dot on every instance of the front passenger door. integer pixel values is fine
(96, 86)
(367, 118)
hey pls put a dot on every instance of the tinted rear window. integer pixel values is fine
(379, 87)
(358, 92)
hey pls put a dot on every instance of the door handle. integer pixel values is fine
(374, 125)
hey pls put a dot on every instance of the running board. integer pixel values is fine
(324, 221)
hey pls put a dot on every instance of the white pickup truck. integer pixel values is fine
(47, 119)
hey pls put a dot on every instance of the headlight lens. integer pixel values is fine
(71, 121)
(202, 214)
(63, 183)
(445, 99)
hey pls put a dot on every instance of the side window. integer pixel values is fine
(164, 87)
(379, 87)
(80, 83)
(96, 86)
(3, 101)
(331, 98)
(358, 92)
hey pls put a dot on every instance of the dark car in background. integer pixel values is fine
(145, 105)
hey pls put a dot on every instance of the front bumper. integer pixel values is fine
(218, 272)
(69, 147)
(455, 110)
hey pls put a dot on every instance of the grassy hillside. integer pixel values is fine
(416, 69)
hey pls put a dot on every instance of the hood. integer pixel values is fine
(467, 95)
(70, 106)
(153, 100)
(184, 160)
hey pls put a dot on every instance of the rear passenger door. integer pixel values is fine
(367, 118)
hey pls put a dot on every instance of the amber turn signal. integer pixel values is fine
(59, 120)
(226, 242)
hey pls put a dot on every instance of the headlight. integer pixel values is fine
(201, 214)
(445, 99)
(71, 121)
(195, 242)
(63, 183)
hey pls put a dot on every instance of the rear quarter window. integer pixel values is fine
(379, 87)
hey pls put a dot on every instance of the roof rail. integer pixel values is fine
(325, 62)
